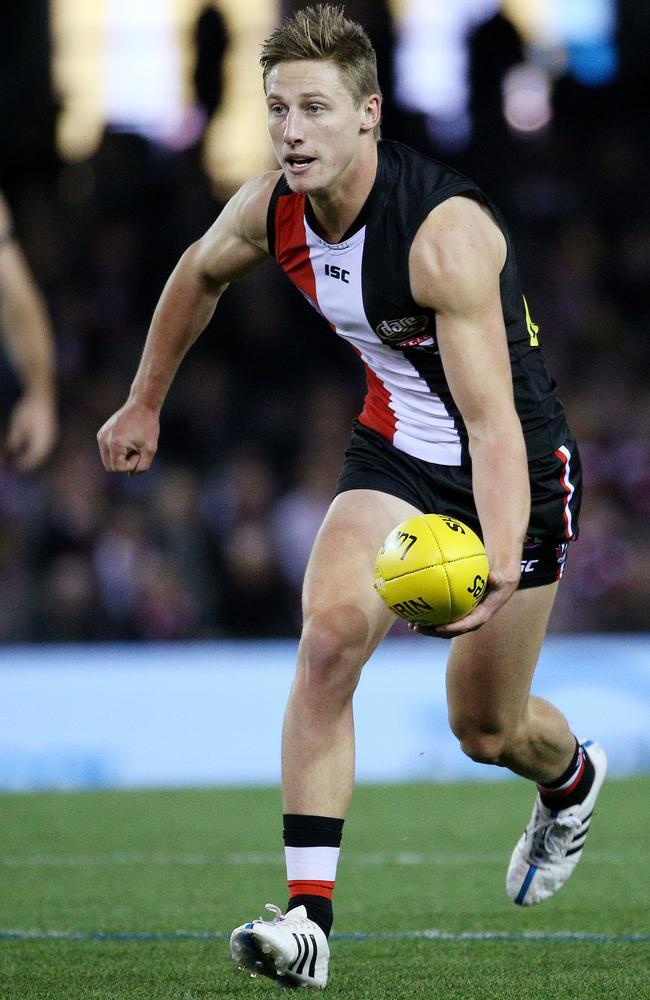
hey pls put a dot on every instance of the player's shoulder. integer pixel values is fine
(459, 214)
(458, 234)
(257, 191)
(250, 205)
(457, 253)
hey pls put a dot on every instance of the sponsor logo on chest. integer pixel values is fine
(409, 331)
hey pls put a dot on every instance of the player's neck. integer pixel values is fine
(336, 208)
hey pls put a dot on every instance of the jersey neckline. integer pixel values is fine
(365, 213)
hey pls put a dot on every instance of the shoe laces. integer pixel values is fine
(278, 915)
(551, 837)
(296, 920)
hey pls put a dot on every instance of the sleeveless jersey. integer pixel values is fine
(361, 287)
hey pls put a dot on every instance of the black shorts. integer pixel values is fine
(373, 463)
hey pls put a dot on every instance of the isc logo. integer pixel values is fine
(333, 271)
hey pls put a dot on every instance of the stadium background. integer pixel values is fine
(123, 127)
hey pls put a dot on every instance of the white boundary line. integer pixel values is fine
(402, 858)
(530, 937)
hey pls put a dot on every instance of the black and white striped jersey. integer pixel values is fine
(361, 287)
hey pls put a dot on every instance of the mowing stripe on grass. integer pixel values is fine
(531, 937)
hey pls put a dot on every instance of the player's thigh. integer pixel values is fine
(490, 671)
(338, 590)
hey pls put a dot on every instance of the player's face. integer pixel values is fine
(315, 126)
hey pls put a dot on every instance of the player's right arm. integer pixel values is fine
(233, 246)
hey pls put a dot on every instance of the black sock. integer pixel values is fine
(577, 779)
(319, 909)
(307, 832)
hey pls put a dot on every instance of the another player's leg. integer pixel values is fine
(344, 620)
(498, 721)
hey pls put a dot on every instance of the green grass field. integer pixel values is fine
(133, 894)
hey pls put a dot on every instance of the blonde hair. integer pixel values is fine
(323, 32)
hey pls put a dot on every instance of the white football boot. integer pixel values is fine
(551, 845)
(292, 950)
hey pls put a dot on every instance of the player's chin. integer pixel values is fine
(306, 183)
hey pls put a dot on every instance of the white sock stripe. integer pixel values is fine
(312, 863)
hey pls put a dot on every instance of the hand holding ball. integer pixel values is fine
(431, 570)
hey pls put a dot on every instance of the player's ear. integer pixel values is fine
(371, 113)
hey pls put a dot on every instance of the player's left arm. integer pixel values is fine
(455, 262)
(27, 339)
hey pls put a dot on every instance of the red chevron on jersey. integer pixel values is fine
(377, 413)
(292, 251)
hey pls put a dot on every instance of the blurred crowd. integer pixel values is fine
(213, 541)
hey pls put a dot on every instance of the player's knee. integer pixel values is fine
(331, 658)
(485, 744)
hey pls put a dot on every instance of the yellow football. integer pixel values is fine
(431, 570)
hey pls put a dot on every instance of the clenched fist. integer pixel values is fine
(129, 439)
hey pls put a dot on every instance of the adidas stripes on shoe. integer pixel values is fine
(292, 950)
